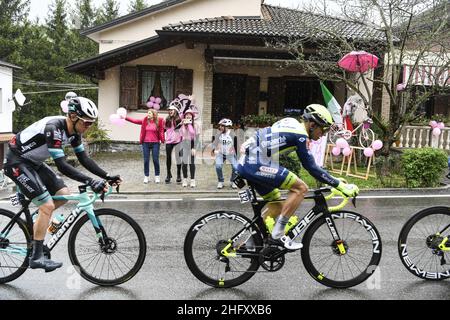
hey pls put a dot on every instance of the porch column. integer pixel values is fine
(207, 96)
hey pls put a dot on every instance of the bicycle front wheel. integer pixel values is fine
(15, 247)
(345, 263)
(114, 258)
(366, 138)
(419, 240)
(206, 239)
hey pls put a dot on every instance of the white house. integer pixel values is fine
(214, 49)
(7, 107)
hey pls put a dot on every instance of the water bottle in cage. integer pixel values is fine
(55, 224)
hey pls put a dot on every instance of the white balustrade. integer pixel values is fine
(421, 137)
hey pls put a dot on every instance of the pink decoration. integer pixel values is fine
(441, 125)
(401, 86)
(336, 151)
(64, 106)
(121, 122)
(341, 143)
(436, 132)
(347, 151)
(152, 99)
(158, 100)
(150, 104)
(358, 61)
(156, 106)
(122, 112)
(433, 124)
(114, 119)
(377, 145)
(368, 152)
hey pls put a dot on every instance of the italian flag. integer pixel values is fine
(331, 103)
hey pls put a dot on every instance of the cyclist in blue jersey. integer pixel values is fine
(260, 166)
(25, 165)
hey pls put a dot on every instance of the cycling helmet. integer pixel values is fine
(319, 114)
(70, 95)
(226, 122)
(83, 107)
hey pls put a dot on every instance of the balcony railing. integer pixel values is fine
(421, 137)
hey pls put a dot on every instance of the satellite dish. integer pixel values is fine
(19, 97)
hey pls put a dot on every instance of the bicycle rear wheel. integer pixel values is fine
(15, 248)
(327, 264)
(418, 244)
(366, 138)
(118, 258)
(208, 236)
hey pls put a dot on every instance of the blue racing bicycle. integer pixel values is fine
(106, 246)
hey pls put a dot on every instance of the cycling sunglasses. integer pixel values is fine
(86, 122)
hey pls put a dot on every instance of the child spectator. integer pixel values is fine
(224, 148)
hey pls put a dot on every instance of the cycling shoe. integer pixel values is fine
(44, 263)
(286, 242)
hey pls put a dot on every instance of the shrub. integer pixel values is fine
(291, 162)
(97, 138)
(264, 120)
(423, 167)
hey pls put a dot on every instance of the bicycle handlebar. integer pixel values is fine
(340, 206)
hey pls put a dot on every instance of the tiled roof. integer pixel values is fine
(281, 22)
(9, 65)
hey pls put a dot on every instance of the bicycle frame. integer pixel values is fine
(320, 209)
(85, 205)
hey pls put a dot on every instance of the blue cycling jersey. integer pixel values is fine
(262, 151)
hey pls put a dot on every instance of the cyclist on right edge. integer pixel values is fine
(259, 165)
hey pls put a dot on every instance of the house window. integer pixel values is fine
(157, 83)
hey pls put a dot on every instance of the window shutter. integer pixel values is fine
(183, 81)
(129, 88)
(276, 96)
(251, 95)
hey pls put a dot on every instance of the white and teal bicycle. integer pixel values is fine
(106, 246)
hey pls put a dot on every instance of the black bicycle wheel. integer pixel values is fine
(114, 263)
(208, 236)
(418, 244)
(323, 259)
(14, 248)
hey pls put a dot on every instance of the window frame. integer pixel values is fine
(152, 68)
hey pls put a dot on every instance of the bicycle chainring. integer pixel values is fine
(270, 260)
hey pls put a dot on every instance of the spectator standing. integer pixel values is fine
(173, 138)
(190, 133)
(224, 149)
(151, 137)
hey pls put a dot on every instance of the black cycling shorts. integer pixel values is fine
(36, 182)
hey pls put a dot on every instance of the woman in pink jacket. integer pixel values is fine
(173, 138)
(152, 135)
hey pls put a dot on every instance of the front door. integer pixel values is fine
(228, 97)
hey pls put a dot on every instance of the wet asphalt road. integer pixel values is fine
(166, 276)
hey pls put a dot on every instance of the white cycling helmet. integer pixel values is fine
(226, 122)
(83, 107)
(70, 95)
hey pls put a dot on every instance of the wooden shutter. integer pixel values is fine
(276, 96)
(129, 95)
(184, 79)
(251, 95)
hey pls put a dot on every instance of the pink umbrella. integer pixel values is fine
(358, 61)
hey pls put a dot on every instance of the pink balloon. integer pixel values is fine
(158, 100)
(120, 122)
(436, 132)
(342, 143)
(114, 119)
(150, 104)
(156, 106)
(152, 99)
(433, 124)
(347, 151)
(368, 152)
(441, 125)
(64, 106)
(377, 145)
(336, 151)
(122, 112)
